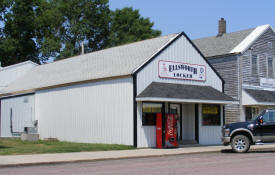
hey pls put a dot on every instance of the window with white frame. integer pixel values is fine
(254, 65)
(269, 45)
(269, 67)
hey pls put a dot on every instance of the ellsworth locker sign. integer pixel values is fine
(179, 70)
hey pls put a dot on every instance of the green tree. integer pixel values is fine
(84, 21)
(17, 39)
(127, 26)
(39, 29)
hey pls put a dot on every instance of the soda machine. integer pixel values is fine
(166, 130)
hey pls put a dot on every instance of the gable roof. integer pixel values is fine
(230, 43)
(221, 45)
(113, 62)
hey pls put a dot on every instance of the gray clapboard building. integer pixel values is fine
(245, 60)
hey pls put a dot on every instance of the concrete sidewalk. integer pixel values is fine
(38, 159)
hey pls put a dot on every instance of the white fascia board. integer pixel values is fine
(185, 100)
(250, 39)
(260, 104)
(171, 39)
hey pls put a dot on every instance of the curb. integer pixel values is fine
(121, 158)
(103, 159)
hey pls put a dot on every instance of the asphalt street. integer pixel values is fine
(255, 162)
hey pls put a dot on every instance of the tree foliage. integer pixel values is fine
(127, 26)
(17, 39)
(84, 21)
(37, 30)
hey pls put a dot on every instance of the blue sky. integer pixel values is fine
(199, 18)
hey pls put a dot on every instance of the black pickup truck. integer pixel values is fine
(241, 135)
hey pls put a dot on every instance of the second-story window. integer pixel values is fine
(254, 64)
(269, 67)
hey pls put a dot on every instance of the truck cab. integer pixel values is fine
(241, 135)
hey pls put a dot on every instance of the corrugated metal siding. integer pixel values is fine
(182, 51)
(22, 114)
(209, 135)
(8, 75)
(98, 112)
(228, 68)
(146, 135)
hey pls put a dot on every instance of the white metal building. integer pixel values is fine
(8, 75)
(112, 95)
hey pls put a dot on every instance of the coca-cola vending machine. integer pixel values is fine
(166, 131)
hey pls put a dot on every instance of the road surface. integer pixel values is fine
(226, 163)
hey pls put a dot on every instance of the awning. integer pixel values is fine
(168, 92)
(258, 97)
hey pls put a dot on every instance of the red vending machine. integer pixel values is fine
(166, 131)
(171, 138)
(159, 130)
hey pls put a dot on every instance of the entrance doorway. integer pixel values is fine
(188, 124)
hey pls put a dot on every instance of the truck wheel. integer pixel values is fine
(240, 144)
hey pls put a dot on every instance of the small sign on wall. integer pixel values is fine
(179, 70)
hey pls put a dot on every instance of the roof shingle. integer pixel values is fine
(221, 45)
(112, 62)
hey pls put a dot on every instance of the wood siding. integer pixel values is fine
(260, 48)
(228, 68)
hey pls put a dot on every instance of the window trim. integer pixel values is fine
(267, 67)
(269, 44)
(257, 65)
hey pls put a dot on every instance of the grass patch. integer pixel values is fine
(16, 146)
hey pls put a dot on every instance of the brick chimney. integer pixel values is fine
(222, 27)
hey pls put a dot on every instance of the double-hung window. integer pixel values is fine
(254, 65)
(269, 67)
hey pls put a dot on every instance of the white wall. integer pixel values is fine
(22, 114)
(146, 135)
(11, 73)
(180, 51)
(209, 135)
(97, 112)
